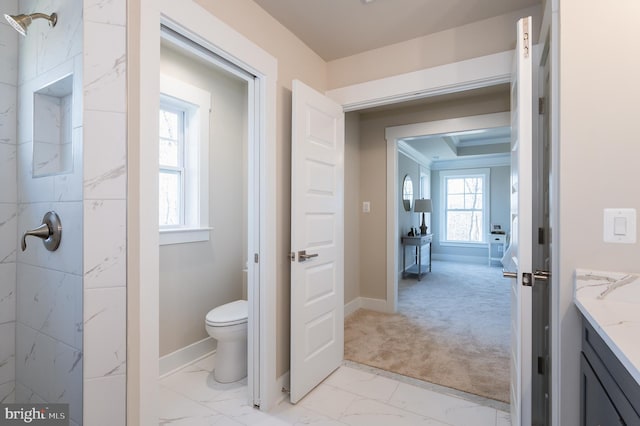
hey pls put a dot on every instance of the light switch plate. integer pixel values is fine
(620, 226)
(366, 206)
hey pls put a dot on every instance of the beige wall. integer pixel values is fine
(295, 61)
(457, 44)
(373, 166)
(196, 277)
(599, 152)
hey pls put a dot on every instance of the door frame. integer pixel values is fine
(467, 75)
(197, 24)
(394, 136)
(451, 78)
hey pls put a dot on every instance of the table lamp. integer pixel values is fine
(423, 206)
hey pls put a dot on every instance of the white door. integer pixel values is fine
(317, 239)
(520, 252)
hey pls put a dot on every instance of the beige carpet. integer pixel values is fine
(452, 329)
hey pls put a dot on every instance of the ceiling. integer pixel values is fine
(454, 146)
(339, 28)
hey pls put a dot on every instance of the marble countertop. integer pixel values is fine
(610, 301)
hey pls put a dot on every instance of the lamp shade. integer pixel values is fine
(422, 205)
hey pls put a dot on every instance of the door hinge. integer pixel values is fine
(525, 44)
(256, 258)
(541, 107)
(527, 279)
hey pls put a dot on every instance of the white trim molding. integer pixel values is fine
(378, 305)
(187, 355)
(456, 77)
(197, 24)
(489, 70)
(414, 154)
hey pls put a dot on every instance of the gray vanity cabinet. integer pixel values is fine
(609, 394)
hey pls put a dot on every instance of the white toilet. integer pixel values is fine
(228, 325)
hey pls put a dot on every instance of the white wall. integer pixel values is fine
(8, 204)
(599, 151)
(197, 277)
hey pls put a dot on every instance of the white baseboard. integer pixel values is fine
(460, 258)
(351, 307)
(187, 355)
(379, 305)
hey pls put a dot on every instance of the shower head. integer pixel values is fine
(21, 22)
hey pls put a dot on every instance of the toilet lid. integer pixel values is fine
(229, 314)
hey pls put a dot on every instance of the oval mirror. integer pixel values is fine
(407, 193)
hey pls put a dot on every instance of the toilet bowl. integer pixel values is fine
(228, 325)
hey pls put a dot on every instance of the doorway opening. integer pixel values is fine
(208, 212)
(204, 36)
(463, 143)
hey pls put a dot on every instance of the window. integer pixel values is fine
(171, 201)
(183, 200)
(465, 202)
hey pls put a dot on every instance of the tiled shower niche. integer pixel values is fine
(52, 128)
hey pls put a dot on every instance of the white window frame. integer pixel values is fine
(425, 182)
(196, 103)
(486, 205)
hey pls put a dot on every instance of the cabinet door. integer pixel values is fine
(597, 408)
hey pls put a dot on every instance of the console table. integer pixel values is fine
(418, 241)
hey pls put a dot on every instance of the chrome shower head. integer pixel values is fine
(21, 22)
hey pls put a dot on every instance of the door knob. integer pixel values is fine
(509, 274)
(302, 255)
(50, 232)
(542, 275)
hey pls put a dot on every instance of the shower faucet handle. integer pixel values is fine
(50, 232)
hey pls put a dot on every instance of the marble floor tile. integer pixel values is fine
(329, 401)
(300, 415)
(369, 412)
(197, 383)
(503, 419)
(176, 409)
(442, 407)
(350, 396)
(362, 383)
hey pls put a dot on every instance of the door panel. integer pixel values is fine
(519, 256)
(317, 228)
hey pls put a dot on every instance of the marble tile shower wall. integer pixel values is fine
(49, 322)
(47, 296)
(104, 211)
(8, 203)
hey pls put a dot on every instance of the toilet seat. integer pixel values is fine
(228, 314)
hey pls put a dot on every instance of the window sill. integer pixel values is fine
(184, 235)
(463, 244)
